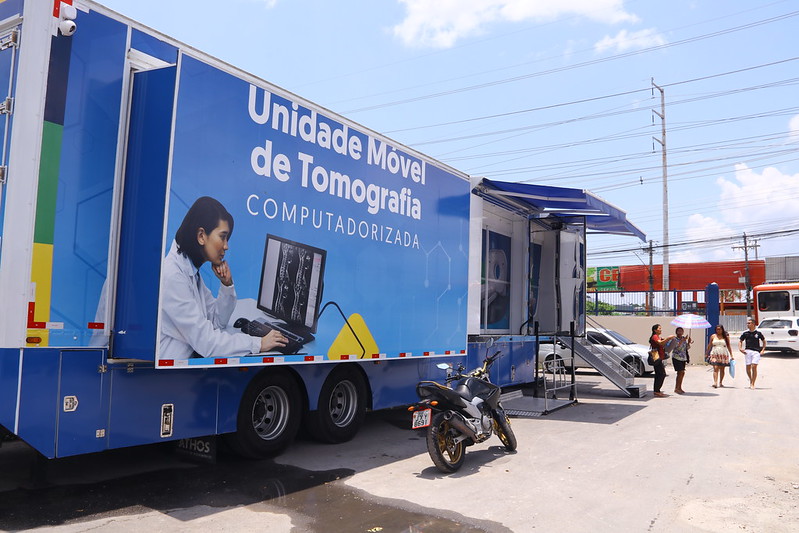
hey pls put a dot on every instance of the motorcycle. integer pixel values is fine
(463, 411)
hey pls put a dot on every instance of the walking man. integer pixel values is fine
(755, 345)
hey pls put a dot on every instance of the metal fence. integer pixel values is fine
(734, 323)
(655, 303)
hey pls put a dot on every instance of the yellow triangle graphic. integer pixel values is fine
(346, 343)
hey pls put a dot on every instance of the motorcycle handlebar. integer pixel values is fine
(457, 373)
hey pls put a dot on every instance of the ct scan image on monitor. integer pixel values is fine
(292, 279)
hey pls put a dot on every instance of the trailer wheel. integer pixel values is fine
(269, 416)
(341, 408)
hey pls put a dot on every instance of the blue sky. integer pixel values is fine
(555, 93)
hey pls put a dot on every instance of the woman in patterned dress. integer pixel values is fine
(719, 354)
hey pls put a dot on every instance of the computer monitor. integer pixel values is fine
(292, 277)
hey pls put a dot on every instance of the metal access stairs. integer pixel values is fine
(608, 364)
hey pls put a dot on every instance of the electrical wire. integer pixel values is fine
(556, 70)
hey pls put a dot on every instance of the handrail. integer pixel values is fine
(603, 359)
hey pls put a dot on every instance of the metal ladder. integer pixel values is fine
(605, 362)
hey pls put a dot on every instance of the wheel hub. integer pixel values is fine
(270, 413)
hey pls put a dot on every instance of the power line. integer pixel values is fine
(615, 57)
(696, 242)
(601, 115)
(634, 171)
(591, 99)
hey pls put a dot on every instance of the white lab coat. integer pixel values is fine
(192, 320)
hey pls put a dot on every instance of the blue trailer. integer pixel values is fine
(341, 265)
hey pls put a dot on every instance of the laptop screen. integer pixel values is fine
(291, 281)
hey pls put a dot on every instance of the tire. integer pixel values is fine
(503, 430)
(634, 365)
(341, 408)
(553, 364)
(447, 456)
(269, 416)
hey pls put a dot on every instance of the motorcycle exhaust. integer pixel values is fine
(458, 423)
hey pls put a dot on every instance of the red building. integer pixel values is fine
(685, 277)
(693, 276)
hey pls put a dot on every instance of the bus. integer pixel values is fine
(776, 299)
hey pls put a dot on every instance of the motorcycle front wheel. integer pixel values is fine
(447, 455)
(503, 430)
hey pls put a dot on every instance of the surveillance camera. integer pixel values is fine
(67, 27)
(68, 12)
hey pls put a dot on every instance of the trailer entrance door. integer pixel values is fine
(142, 216)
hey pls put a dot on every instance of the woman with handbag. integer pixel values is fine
(719, 354)
(657, 354)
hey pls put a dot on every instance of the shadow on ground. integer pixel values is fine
(35, 492)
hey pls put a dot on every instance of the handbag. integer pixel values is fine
(654, 355)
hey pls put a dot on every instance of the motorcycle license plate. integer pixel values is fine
(421, 419)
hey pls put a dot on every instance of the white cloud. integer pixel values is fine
(624, 41)
(793, 130)
(441, 23)
(268, 4)
(752, 197)
(698, 228)
(751, 202)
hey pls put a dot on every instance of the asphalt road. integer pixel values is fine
(714, 460)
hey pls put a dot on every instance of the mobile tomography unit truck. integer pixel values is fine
(375, 261)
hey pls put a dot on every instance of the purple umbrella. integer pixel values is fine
(690, 321)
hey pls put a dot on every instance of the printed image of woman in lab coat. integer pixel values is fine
(193, 321)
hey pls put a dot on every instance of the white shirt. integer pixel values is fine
(192, 320)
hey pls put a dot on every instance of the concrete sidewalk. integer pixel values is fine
(710, 460)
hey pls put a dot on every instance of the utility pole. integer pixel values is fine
(651, 280)
(662, 142)
(747, 279)
(753, 245)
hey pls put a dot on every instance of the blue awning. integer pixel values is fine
(571, 206)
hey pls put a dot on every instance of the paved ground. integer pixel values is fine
(715, 460)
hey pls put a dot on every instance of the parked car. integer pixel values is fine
(634, 355)
(781, 333)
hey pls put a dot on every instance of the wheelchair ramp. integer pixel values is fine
(516, 404)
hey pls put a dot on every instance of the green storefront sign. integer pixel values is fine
(603, 278)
